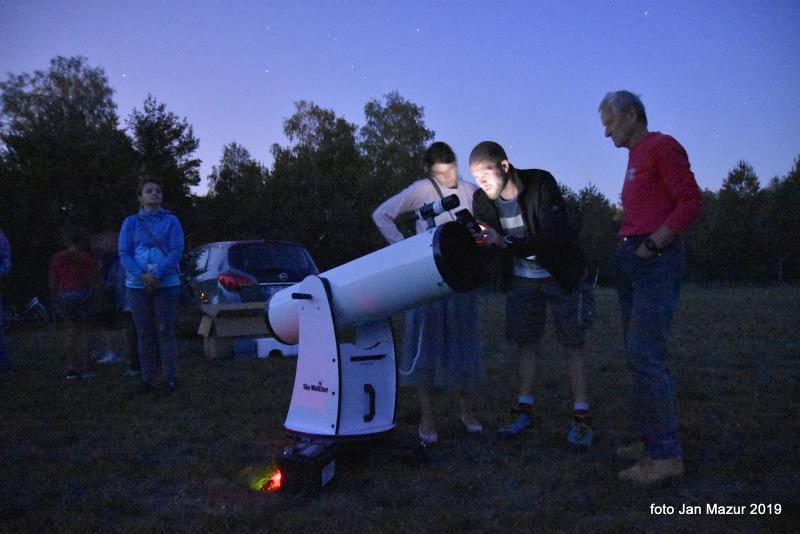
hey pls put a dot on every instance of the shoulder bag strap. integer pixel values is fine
(152, 235)
(439, 191)
(436, 186)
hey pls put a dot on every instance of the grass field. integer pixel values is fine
(82, 457)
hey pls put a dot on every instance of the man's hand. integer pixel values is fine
(661, 238)
(480, 235)
(643, 252)
(489, 236)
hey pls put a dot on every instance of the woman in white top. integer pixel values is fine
(441, 348)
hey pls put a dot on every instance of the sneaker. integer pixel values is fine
(475, 427)
(521, 423)
(633, 451)
(110, 357)
(132, 372)
(87, 374)
(72, 375)
(648, 471)
(427, 438)
(580, 433)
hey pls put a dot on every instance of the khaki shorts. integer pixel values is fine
(526, 311)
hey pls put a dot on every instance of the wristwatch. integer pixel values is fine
(650, 245)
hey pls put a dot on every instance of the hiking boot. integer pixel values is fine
(648, 471)
(633, 451)
(580, 433)
(522, 423)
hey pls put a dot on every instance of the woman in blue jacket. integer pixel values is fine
(150, 248)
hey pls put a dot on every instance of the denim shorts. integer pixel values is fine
(75, 305)
(526, 311)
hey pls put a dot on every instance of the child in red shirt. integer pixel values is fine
(72, 277)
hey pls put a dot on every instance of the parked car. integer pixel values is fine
(233, 272)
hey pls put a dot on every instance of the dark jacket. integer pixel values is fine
(554, 241)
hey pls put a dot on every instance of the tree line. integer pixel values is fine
(66, 157)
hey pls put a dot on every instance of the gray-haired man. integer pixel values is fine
(660, 199)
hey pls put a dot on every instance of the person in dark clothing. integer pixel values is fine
(5, 267)
(115, 313)
(539, 264)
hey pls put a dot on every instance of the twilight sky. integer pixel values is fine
(723, 77)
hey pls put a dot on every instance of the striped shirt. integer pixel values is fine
(512, 223)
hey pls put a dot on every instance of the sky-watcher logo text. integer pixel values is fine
(319, 388)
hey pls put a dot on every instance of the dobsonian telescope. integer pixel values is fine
(345, 382)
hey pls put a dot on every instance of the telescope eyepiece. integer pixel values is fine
(428, 211)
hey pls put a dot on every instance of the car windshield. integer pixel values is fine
(267, 261)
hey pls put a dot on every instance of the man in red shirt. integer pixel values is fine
(660, 199)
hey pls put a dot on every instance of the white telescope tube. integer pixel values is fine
(423, 267)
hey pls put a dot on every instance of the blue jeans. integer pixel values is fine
(5, 363)
(648, 295)
(154, 317)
